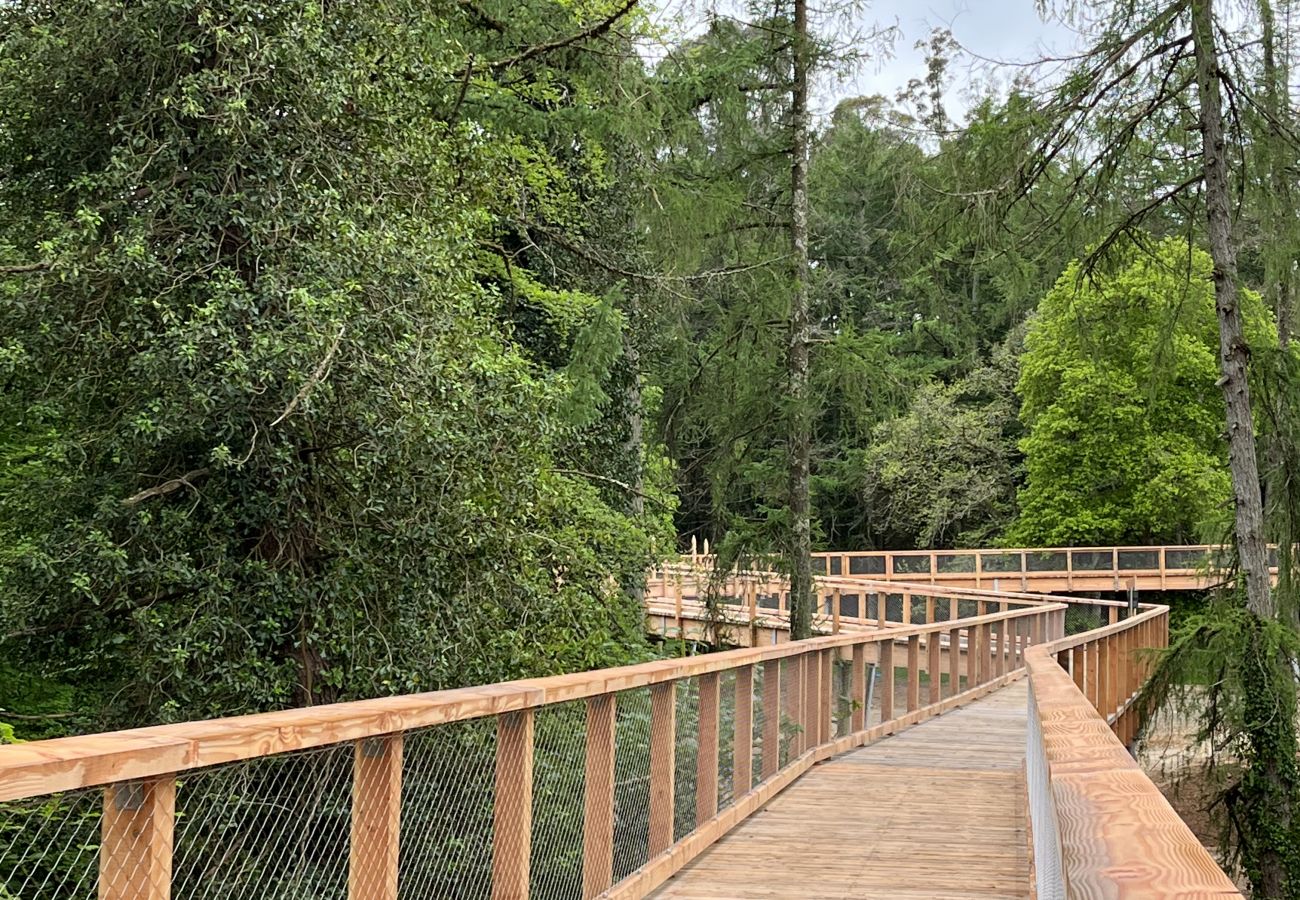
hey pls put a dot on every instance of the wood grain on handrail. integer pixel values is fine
(1119, 837)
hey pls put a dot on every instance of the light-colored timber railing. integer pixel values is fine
(595, 784)
(1036, 569)
(752, 608)
(1100, 827)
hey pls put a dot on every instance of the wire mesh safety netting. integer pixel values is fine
(420, 814)
(49, 846)
(448, 793)
(270, 827)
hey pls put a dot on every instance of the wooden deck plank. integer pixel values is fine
(863, 824)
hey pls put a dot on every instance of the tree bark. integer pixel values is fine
(1234, 354)
(1280, 261)
(801, 583)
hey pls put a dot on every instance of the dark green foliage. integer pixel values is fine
(284, 429)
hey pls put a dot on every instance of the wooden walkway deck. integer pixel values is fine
(937, 811)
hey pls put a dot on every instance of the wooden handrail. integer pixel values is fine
(146, 766)
(1101, 827)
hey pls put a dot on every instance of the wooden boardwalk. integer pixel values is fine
(937, 811)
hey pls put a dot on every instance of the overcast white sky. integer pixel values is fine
(1007, 30)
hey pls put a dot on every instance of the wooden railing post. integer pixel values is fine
(1093, 674)
(858, 690)
(835, 611)
(512, 820)
(913, 672)
(663, 765)
(826, 728)
(954, 662)
(886, 657)
(136, 831)
(706, 771)
(972, 657)
(998, 640)
(986, 652)
(376, 818)
(934, 666)
(771, 718)
(743, 741)
(598, 807)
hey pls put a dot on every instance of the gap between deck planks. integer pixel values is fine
(936, 811)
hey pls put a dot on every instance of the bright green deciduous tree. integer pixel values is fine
(1124, 417)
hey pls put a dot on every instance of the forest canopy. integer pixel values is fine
(365, 348)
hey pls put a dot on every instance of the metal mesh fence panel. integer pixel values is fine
(274, 827)
(559, 771)
(687, 756)
(842, 706)
(727, 740)
(791, 690)
(631, 782)
(761, 712)
(49, 846)
(448, 791)
(1079, 619)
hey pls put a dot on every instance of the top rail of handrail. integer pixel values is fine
(74, 762)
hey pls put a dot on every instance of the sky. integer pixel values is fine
(1002, 30)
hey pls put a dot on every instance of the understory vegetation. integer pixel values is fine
(353, 349)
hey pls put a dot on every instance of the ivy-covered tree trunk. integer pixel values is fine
(1263, 810)
(1234, 353)
(801, 587)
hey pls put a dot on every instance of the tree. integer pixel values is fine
(944, 473)
(1120, 405)
(801, 583)
(292, 424)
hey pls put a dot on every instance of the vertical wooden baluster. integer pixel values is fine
(663, 765)
(954, 662)
(1113, 615)
(886, 656)
(995, 645)
(954, 609)
(376, 818)
(743, 741)
(929, 610)
(986, 652)
(905, 609)
(913, 672)
(972, 657)
(934, 667)
(706, 769)
(136, 832)
(882, 609)
(512, 822)
(979, 570)
(889, 567)
(835, 611)
(598, 805)
(828, 695)
(858, 691)
(771, 717)
(934, 568)
(1094, 679)
(812, 705)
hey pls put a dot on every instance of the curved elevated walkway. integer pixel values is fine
(936, 811)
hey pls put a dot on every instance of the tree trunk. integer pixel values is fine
(1233, 352)
(801, 586)
(1280, 262)
(1267, 792)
